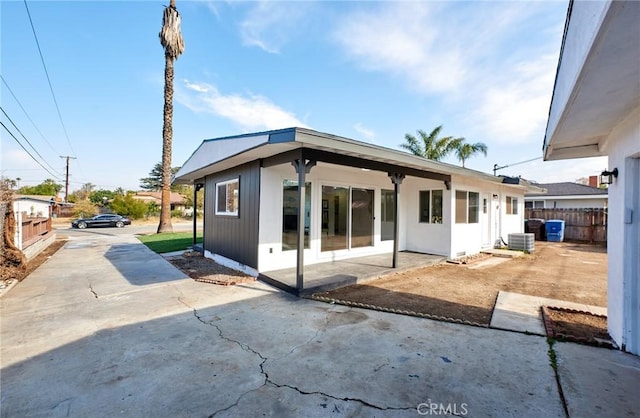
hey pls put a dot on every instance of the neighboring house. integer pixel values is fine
(33, 206)
(178, 202)
(595, 111)
(33, 223)
(347, 205)
(566, 196)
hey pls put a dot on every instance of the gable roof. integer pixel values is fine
(218, 154)
(569, 189)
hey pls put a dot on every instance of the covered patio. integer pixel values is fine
(332, 275)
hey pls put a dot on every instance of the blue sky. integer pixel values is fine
(370, 71)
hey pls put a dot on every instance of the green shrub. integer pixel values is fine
(128, 206)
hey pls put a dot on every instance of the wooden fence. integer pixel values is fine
(587, 225)
(33, 229)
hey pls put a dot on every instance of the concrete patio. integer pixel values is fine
(334, 274)
(108, 328)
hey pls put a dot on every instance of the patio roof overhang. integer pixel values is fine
(283, 146)
(598, 78)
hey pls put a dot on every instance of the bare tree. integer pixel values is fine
(12, 261)
(173, 44)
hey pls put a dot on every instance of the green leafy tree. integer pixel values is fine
(188, 197)
(153, 183)
(101, 197)
(47, 188)
(431, 145)
(128, 206)
(465, 150)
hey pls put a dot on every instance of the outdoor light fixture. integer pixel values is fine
(606, 177)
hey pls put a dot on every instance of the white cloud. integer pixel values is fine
(251, 112)
(270, 25)
(367, 133)
(463, 53)
(402, 39)
(516, 111)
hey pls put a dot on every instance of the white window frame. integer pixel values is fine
(431, 219)
(226, 212)
(467, 207)
(511, 206)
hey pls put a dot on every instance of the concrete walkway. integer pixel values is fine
(521, 313)
(107, 328)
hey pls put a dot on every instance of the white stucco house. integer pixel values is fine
(566, 195)
(257, 218)
(595, 111)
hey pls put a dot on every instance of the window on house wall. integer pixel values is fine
(512, 205)
(467, 207)
(430, 206)
(227, 197)
(388, 212)
(474, 208)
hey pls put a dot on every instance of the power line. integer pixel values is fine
(27, 114)
(28, 142)
(27, 151)
(64, 128)
(496, 167)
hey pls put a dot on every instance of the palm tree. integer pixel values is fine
(465, 150)
(431, 146)
(173, 44)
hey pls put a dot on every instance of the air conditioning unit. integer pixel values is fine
(522, 242)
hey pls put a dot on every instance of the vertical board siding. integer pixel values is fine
(589, 225)
(234, 237)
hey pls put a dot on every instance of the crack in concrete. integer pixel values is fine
(95, 295)
(321, 329)
(268, 381)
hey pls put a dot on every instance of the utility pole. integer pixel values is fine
(66, 182)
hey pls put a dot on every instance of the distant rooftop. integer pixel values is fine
(568, 189)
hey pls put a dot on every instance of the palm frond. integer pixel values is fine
(170, 35)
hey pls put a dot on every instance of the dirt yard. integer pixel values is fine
(565, 271)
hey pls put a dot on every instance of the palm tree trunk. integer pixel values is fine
(167, 137)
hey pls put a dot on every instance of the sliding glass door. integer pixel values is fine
(361, 218)
(343, 228)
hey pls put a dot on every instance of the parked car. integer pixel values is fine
(101, 220)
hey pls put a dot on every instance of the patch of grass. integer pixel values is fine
(169, 241)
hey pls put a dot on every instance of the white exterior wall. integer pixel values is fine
(270, 254)
(40, 209)
(623, 239)
(424, 237)
(467, 239)
(567, 202)
(447, 239)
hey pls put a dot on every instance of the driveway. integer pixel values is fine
(108, 328)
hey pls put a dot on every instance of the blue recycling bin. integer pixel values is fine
(555, 230)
